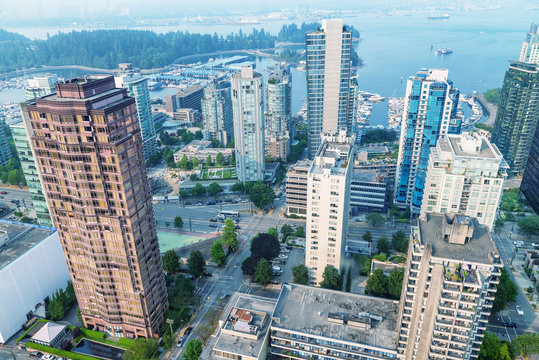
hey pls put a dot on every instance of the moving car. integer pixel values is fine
(187, 331)
(509, 324)
(519, 310)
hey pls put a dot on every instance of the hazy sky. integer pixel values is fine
(75, 10)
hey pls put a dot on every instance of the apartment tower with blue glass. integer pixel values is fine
(430, 111)
(328, 80)
(248, 124)
(137, 87)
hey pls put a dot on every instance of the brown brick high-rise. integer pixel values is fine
(88, 148)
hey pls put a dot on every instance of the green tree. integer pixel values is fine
(217, 252)
(506, 292)
(529, 225)
(214, 189)
(394, 283)
(374, 218)
(490, 347)
(193, 350)
(264, 245)
(367, 236)
(300, 274)
(300, 232)
(220, 159)
(183, 163)
(196, 263)
(229, 235)
(198, 190)
(209, 161)
(195, 162)
(232, 159)
(56, 307)
(237, 187)
(286, 230)
(273, 232)
(141, 349)
(493, 96)
(383, 244)
(178, 222)
(183, 193)
(377, 283)
(171, 262)
(526, 344)
(263, 272)
(331, 279)
(261, 195)
(399, 241)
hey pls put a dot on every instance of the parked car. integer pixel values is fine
(48, 357)
(15, 201)
(283, 256)
(225, 296)
(187, 203)
(509, 324)
(212, 225)
(282, 261)
(199, 204)
(519, 310)
(36, 353)
(213, 220)
(276, 268)
(191, 277)
(187, 331)
(285, 250)
(237, 227)
(288, 247)
(277, 273)
(181, 341)
(210, 203)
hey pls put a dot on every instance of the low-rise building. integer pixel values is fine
(296, 188)
(386, 167)
(449, 286)
(32, 267)
(316, 323)
(277, 146)
(187, 115)
(243, 329)
(368, 190)
(201, 149)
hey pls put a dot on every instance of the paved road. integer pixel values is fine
(10, 353)
(15, 194)
(528, 322)
(229, 278)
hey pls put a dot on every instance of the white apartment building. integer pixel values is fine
(530, 47)
(328, 199)
(465, 175)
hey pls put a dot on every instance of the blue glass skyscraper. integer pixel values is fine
(429, 112)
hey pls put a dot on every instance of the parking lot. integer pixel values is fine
(295, 256)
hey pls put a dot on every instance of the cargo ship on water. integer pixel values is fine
(438, 17)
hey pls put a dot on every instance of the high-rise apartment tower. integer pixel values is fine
(430, 109)
(248, 124)
(518, 114)
(328, 200)
(449, 285)
(87, 145)
(465, 175)
(217, 112)
(530, 48)
(328, 80)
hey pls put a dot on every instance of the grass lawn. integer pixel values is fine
(171, 240)
(219, 173)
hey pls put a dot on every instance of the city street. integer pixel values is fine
(529, 322)
(15, 194)
(229, 278)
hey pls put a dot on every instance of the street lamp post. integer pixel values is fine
(170, 322)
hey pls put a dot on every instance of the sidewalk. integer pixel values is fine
(524, 282)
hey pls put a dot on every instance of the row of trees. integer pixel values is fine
(492, 348)
(60, 301)
(260, 194)
(378, 136)
(220, 160)
(213, 189)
